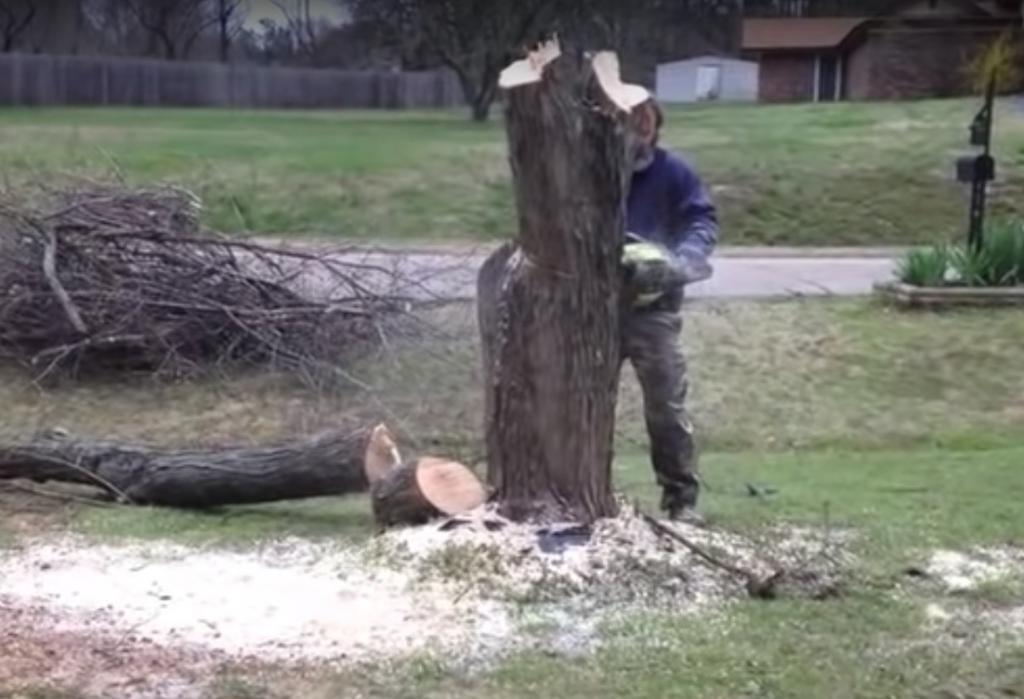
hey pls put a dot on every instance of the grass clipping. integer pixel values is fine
(115, 278)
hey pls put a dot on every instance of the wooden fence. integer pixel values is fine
(48, 80)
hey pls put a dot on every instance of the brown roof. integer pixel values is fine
(797, 33)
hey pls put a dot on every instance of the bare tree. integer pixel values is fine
(174, 25)
(305, 26)
(58, 27)
(229, 23)
(475, 38)
(113, 25)
(15, 18)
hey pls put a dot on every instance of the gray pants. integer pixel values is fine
(651, 343)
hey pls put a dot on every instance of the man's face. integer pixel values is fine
(644, 124)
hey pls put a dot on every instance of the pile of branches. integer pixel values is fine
(109, 278)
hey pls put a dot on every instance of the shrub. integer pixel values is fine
(924, 266)
(998, 262)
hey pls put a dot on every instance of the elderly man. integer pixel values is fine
(672, 229)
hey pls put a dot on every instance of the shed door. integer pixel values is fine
(828, 78)
(709, 82)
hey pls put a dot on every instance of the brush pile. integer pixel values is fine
(109, 278)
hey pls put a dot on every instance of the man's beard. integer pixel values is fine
(643, 156)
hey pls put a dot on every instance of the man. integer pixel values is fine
(672, 229)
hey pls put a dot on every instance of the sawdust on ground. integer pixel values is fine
(464, 592)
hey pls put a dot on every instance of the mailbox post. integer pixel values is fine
(979, 169)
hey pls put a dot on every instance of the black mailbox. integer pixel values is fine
(975, 168)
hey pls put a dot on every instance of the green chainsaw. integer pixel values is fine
(652, 270)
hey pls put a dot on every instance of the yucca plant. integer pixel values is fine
(970, 266)
(999, 261)
(924, 266)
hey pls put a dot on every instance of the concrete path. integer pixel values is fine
(453, 275)
(776, 277)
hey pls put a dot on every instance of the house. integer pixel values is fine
(919, 49)
(707, 78)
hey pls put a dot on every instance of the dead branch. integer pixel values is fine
(757, 586)
(142, 286)
(50, 270)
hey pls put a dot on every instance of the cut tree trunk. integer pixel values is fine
(329, 464)
(418, 492)
(549, 304)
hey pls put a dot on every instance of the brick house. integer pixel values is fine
(919, 49)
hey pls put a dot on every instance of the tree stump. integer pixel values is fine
(418, 492)
(549, 303)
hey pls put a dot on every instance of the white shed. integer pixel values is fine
(707, 78)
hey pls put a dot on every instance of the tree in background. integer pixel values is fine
(474, 38)
(306, 28)
(230, 18)
(15, 18)
(172, 25)
(59, 27)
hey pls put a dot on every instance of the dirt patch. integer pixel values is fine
(24, 513)
(97, 659)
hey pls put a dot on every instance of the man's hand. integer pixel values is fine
(652, 270)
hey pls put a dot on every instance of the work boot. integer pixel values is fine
(679, 509)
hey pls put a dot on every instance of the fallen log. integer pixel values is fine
(417, 492)
(333, 463)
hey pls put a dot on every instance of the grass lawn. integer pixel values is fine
(765, 376)
(803, 174)
(904, 428)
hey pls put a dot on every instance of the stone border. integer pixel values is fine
(908, 295)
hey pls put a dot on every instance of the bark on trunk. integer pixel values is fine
(418, 492)
(549, 305)
(329, 464)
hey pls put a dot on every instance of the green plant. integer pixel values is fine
(1004, 242)
(924, 266)
(999, 261)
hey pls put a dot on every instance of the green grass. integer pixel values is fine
(765, 376)
(338, 518)
(798, 174)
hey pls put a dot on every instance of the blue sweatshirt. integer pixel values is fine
(669, 204)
